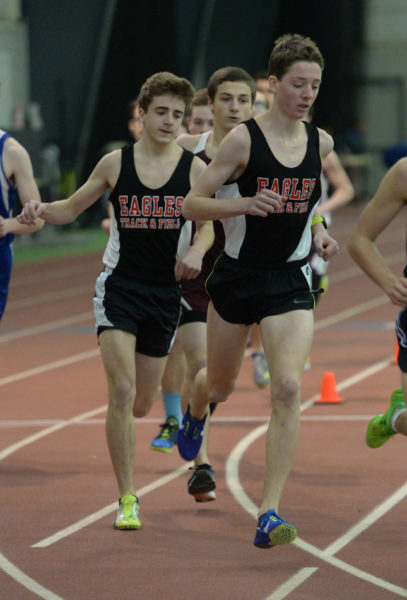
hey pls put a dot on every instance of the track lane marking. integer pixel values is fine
(327, 555)
(49, 297)
(23, 579)
(16, 423)
(346, 383)
(318, 326)
(44, 432)
(27, 331)
(63, 362)
(92, 518)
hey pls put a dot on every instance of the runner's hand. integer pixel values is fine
(31, 210)
(189, 266)
(264, 203)
(398, 291)
(325, 245)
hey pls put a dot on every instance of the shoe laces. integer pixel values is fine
(127, 502)
(193, 431)
(167, 430)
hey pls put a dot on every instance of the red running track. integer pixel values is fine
(58, 493)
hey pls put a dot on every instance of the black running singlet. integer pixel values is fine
(281, 236)
(147, 222)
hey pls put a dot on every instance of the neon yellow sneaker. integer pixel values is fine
(127, 515)
(379, 429)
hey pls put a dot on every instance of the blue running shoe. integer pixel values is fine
(273, 531)
(167, 436)
(190, 436)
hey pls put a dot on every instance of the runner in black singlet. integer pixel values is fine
(231, 92)
(137, 294)
(270, 169)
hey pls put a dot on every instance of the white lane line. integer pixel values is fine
(16, 423)
(57, 427)
(49, 297)
(23, 579)
(289, 586)
(25, 332)
(351, 312)
(320, 324)
(65, 273)
(236, 489)
(350, 569)
(238, 492)
(50, 366)
(59, 535)
(367, 521)
(355, 271)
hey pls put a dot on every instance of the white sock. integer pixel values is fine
(395, 416)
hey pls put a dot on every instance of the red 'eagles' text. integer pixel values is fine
(295, 196)
(150, 212)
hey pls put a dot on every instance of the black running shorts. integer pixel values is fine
(401, 332)
(150, 312)
(245, 295)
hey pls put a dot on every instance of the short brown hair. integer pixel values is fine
(163, 83)
(291, 48)
(200, 98)
(230, 74)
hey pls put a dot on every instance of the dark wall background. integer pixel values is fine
(337, 28)
(62, 41)
(82, 113)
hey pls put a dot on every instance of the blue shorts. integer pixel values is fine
(6, 261)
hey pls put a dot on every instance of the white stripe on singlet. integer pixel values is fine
(201, 145)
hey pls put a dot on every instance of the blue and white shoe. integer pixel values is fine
(190, 436)
(273, 531)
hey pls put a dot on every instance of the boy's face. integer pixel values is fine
(163, 117)
(200, 120)
(232, 104)
(260, 104)
(298, 88)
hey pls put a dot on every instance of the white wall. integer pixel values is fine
(385, 57)
(14, 73)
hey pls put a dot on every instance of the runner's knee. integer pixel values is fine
(285, 391)
(123, 395)
(220, 391)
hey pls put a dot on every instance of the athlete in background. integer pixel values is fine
(16, 181)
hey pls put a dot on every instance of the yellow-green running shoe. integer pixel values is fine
(127, 515)
(379, 429)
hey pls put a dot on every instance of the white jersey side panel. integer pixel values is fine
(112, 251)
(234, 227)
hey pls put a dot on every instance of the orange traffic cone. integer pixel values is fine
(396, 353)
(329, 394)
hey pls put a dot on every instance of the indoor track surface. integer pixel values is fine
(59, 495)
